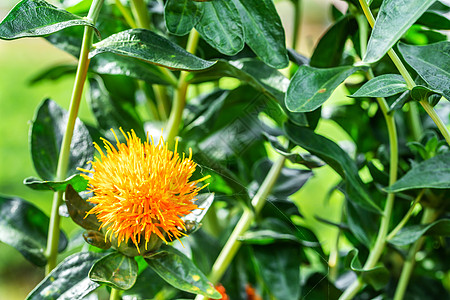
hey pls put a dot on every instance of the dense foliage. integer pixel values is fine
(160, 64)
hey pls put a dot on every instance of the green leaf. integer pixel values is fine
(181, 16)
(193, 219)
(25, 227)
(329, 50)
(393, 20)
(147, 286)
(77, 182)
(111, 64)
(46, 136)
(382, 86)
(434, 20)
(266, 237)
(179, 271)
(410, 234)
(377, 277)
(264, 32)
(221, 26)
(152, 48)
(432, 63)
(337, 159)
(96, 239)
(115, 270)
(280, 269)
(420, 92)
(78, 209)
(433, 173)
(69, 280)
(111, 110)
(32, 18)
(311, 87)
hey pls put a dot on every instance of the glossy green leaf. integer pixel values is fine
(279, 267)
(25, 227)
(179, 271)
(382, 86)
(311, 87)
(432, 63)
(181, 16)
(46, 136)
(377, 277)
(147, 286)
(393, 20)
(329, 50)
(410, 234)
(152, 48)
(115, 270)
(69, 280)
(111, 110)
(221, 26)
(336, 158)
(76, 181)
(432, 173)
(434, 20)
(32, 18)
(264, 32)
(78, 209)
(420, 92)
(266, 237)
(111, 64)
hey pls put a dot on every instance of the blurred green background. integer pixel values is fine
(22, 59)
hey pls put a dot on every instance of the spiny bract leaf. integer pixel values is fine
(410, 234)
(377, 277)
(77, 182)
(434, 173)
(432, 63)
(69, 280)
(181, 16)
(221, 26)
(46, 137)
(311, 87)
(25, 227)
(179, 271)
(264, 32)
(31, 18)
(393, 19)
(152, 48)
(382, 86)
(116, 270)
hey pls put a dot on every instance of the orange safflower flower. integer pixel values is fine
(142, 189)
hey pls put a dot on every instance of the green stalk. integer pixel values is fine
(411, 84)
(63, 160)
(297, 21)
(429, 216)
(115, 294)
(140, 12)
(179, 102)
(406, 217)
(126, 14)
(380, 242)
(233, 244)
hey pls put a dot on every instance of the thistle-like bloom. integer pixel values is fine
(142, 190)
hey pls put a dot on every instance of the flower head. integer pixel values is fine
(142, 190)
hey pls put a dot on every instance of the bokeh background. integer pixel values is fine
(21, 60)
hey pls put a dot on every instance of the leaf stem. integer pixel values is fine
(63, 160)
(380, 242)
(406, 217)
(297, 21)
(115, 294)
(233, 244)
(429, 215)
(411, 84)
(179, 102)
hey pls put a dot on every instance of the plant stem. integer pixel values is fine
(140, 12)
(406, 217)
(115, 294)
(179, 101)
(429, 215)
(233, 244)
(297, 21)
(411, 84)
(126, 14)
(64, 154)
(377, 250)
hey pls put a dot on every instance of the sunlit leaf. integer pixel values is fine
(382, 86)
(115, 270)
(76, 181)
